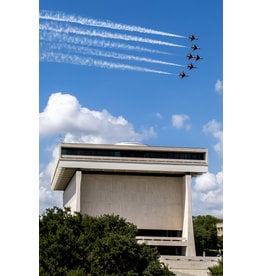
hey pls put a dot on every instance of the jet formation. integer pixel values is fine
(191, 56)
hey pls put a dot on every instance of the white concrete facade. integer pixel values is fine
(149, 186)
(143, 200)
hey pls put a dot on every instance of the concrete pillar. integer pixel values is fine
(78, 190)
(188, 231)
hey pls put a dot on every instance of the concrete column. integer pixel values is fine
(188, 231)
(78, 190)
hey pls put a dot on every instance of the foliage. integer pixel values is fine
(76, 245)
(216, 270)
(220, 243)
(205, 233)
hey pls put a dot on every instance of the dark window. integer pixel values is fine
(159, 233)
(170, 250)
(134, 153)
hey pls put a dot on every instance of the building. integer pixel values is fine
(219, 226)
(149, 186)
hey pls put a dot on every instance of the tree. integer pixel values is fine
(76, 244)
(61, 242)
(205, 234)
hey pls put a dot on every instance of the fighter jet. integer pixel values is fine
(197, 57)
(194, 47)
(192, 37)
(189, 56)
(183, 74)
(191, 66)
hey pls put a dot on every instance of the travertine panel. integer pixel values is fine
(154, 202)
(69, 195)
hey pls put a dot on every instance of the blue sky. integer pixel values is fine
(26, 86)
(108, 73)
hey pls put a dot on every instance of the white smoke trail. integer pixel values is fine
(95, 52)
(101, 43)
(58, 16)
(74, 59)
(69, 29)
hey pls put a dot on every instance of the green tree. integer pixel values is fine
(61, 242)
(76, 244)
(205, 234)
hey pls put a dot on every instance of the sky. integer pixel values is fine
(109, 73)
(27, 84)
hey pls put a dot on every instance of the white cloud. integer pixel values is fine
(65, 118)
(159, 115)
(181, 121)
(213, 127)
(219, 86)
(205, 182)
(207, 194)
(47, 197)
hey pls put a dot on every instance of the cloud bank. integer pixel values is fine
(207, 194)
(64, 116)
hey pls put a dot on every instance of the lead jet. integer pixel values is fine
(197, 57)
(191, 66)
(194, 47)
(192, 37)
(183, 74)
(189, 56)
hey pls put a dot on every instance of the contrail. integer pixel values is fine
(104, 34)
(59, 16)
(95, 52)
(74, 59)
(101, 43)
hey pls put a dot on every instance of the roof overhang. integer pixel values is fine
(67, 165)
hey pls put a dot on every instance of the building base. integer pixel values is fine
(189, 266)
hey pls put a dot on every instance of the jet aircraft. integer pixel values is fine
(189, 56)
(191, 66)
(194, 47)
(183, 74)
(192, 37)
(197, 57)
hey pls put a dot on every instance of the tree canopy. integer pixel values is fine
(205, 233)
(76, 244)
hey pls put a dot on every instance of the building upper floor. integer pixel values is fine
(126, 158)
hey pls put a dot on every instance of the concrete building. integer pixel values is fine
(149, 186)
(219, 226)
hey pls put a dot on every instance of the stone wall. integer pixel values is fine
(150, 202)
(189, 266)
